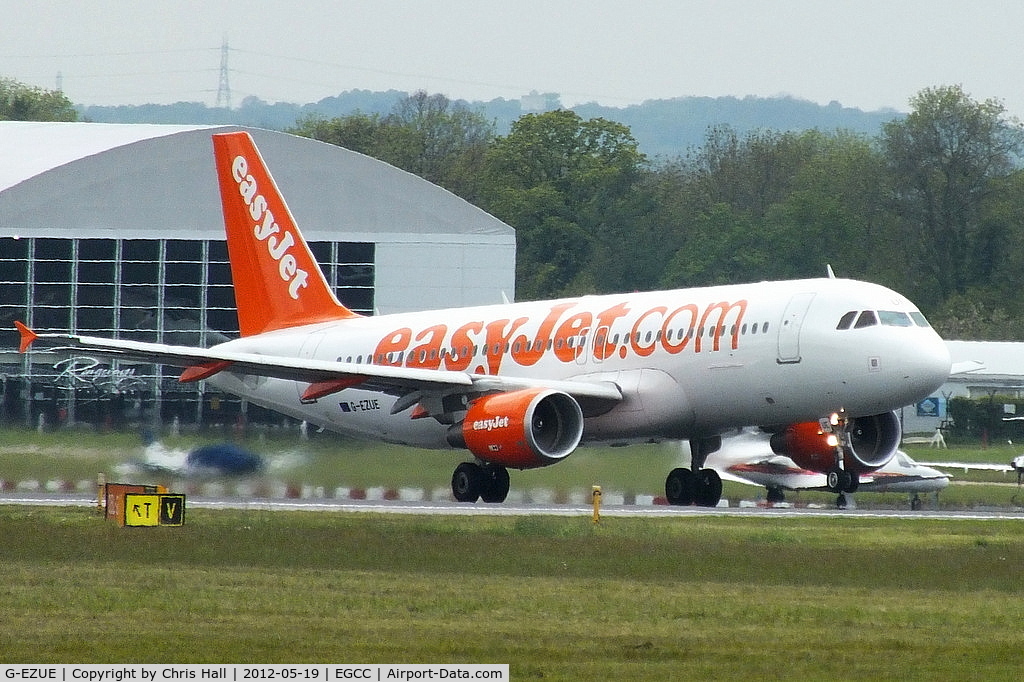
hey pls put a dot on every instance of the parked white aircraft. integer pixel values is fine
(747, 457)
(521, 385)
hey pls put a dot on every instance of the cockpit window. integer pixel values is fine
(866, 319)
(919, 319)
(846, 320)
(894, 318)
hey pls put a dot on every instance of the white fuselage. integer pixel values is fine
(690, 362)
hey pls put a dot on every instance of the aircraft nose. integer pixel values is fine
(928, 363)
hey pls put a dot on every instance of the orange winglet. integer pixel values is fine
(419, 412)
(27, 336)
(319, 389)
(203, 371)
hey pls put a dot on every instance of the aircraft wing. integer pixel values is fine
(324, 376)
(968, 466)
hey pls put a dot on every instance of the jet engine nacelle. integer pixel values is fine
(873, 442)
(524, 429)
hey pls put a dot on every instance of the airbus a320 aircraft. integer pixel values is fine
(521, 385)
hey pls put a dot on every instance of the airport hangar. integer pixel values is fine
(116, 230)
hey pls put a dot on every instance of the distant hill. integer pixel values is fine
(664, 128)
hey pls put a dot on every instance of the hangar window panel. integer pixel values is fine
(94, 319)
(14, 294)
(12, 249)
(183, 296)
(220, 297)
(53, 249)
(148, 335)
(95, 272)
(218, 251)
(51, 318)
(140, 273)
(225, 321)
(355, 275)
(96, 249)
(14, 272)
(95, 294)
(138, 297)
(52, 271)
(51, 295)
(140, 250)
(359, 300)
(184, 273)
(218, 273)
(322, 251)
(184, 250)
(356, 252)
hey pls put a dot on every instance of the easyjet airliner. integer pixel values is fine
(522, 385)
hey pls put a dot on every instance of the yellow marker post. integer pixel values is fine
(596, 496)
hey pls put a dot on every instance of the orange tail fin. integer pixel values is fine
(277, 281)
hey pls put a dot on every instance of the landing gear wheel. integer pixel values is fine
(838, 480)
(709, 488)
(680, 487)
(467, 482)
(775, 496)
(495, 484)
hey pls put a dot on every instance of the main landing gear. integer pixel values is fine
(699, 486)
(487, 482)
(683, 487)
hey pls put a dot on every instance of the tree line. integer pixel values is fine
(932, 206)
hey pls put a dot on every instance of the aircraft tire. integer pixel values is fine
(709, 488)
(838, 480)
(467, 482)
(680, 487)
(495, 484)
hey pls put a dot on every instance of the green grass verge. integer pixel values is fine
(556, 598)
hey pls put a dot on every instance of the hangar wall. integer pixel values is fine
(116, 230)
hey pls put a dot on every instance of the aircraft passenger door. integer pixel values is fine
(789, 329)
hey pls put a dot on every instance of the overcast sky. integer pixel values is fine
(869, 54)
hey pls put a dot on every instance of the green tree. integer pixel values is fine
(20, 102)
(428, 135)
(946, 158)
(771, 205)
(563, 183)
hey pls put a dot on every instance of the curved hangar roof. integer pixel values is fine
(152, 181)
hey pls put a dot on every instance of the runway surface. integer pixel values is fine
(518, 509)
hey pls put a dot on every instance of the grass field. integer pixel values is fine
(556, 598)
